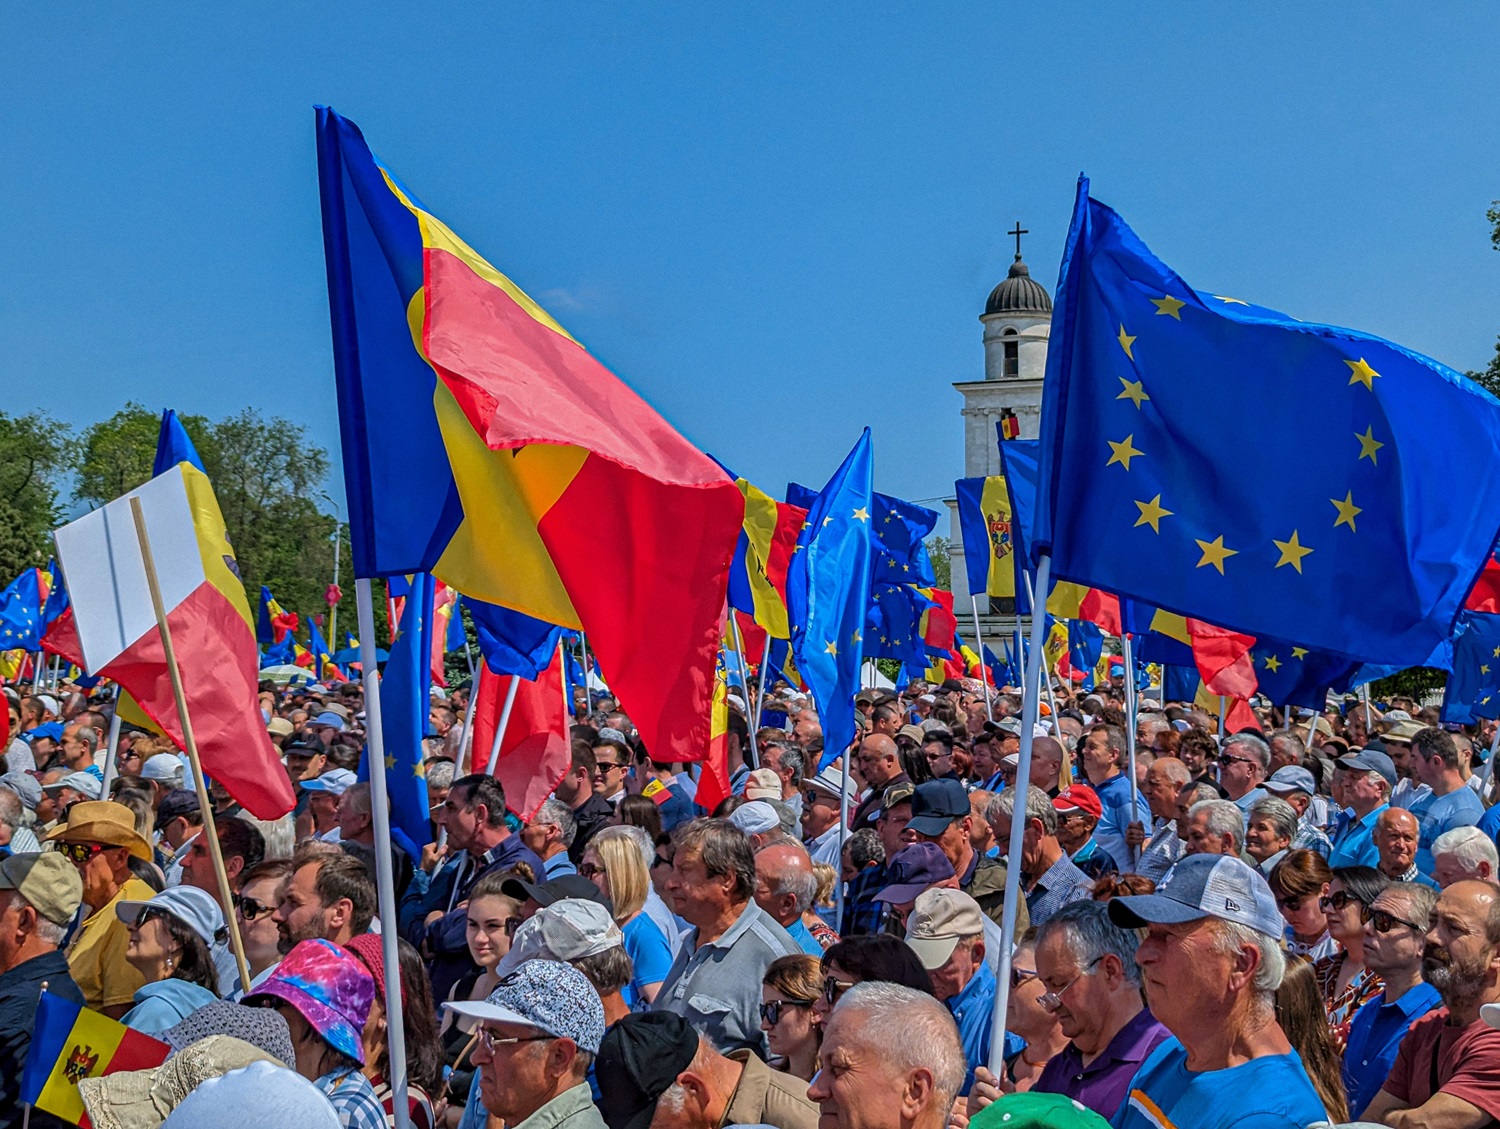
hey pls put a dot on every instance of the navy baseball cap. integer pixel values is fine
(1204, 886)
(915, 868)
(936, 804)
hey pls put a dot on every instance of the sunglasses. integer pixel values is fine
(1019, 976)
(1226, 759)
(609, 766)
(834, 988)
(590, 871)
(1383, 922)
(770, 1011)
(79, 853)
(1291, 905)
(1335, 901)
(250, 909)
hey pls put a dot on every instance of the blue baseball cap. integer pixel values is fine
(915, 868)
(1202, 886)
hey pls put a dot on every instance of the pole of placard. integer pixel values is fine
(1065, 774)
(468, 735)
(1029, 703)
(1364, 692)
(588, 691)
(226, 899)
(112, 746)
(38, 664)
(984, 678)
(380, 813)
(333, 609)
(739, 654)
(1130, 713)
(504, 723)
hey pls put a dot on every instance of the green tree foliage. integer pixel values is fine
(942, 564)
(34, 459)
(1415, 683)
(1488, 378)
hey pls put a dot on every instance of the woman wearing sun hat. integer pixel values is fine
(171, 945)
(324, 993)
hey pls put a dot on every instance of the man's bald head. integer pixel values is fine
(1169, 770)
(878, 759)
(784, 881)
(1397, 819)
(1046, 762)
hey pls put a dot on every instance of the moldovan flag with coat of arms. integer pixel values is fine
(112, 630)
(70, 1043)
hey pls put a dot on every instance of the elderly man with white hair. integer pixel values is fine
(1214, 827)
(1464, 852)
(1211, 962)
(890, 1059)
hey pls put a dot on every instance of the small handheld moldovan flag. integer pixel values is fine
(69, 1043)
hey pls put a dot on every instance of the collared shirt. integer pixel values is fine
(558, 864)
(1250, 799)
(801, 934)
(1094, 861)
(1270, 863)
(573, 1108)
(1412, 874)
(1310, 837)
(352, 1098)
(1103, 1084)
(20, 990)
(1114, 795)
(97, 960)
(1353, 844)
(974, 1011)
(862, 913)
(1408, 792)
(1374, 1038)
(1160, 853)
(715, 985)
(768, 1097)
(824, 848)
(1062, 883)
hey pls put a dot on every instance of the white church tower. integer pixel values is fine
(1016, 320)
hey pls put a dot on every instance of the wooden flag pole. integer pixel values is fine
(226, 898)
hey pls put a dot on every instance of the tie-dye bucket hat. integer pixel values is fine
(330, 988)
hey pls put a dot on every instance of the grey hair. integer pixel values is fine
(1202, 792)
(1153, 723)
(1252, 744)
(555, 813)
(1470, 846)
(90, 737)
(1223, 818)
(1091, 936)
(1230, 937)
(47, 931)
(724, 850)
(801, 884)
(1291, 740)
(865, 847)
(10, 809)
(280, 834)
(1038, 806)
(790, 758)
(908, 1030)
(1421, 900)
(637, 835)
(1282, 816)
(440, 774)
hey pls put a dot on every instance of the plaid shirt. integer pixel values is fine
(1063, 883)
(353, 1099)
(1160, 853)
(1310, 837)
(862, 913)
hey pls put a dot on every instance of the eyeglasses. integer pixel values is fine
(1289, 905)
(489, 1042)
(250, 909)
(1051, 1001)
(770, 1011)
(1335, 901)
(834, 988)
(1226, 759)
(79, 853)
(1382, 922)
(590, 871)
(609, 766)
(1019, 976)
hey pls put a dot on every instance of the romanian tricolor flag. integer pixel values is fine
(274, 623)
(69, 1043)
(111, 629)
(485, 445)
(757, 578)
(713, 783)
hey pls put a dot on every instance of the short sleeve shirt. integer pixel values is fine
(1271, 1092)
(1462, 1062)
(97, 962)
(1437, 814)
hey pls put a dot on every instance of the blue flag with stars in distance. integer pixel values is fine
(404, 710)
(827, 587)
(1473, 689)
(1272, 476)
(21, 613)
(1289, 675)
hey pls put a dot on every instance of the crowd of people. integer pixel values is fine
(1285, 927)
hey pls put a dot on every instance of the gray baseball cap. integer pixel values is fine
(1292, 778)
(1204, 886)
(1371, 760)
(86, 784)
(553, 997)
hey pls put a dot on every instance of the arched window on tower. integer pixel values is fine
(1010, 347)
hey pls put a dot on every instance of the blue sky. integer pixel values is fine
(777, 225)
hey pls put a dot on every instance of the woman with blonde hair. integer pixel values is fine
(788, 991)
(615, 862)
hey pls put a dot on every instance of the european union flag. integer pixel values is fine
(405, 707)
(1085, 645)
(512, 643)
(1474, 686)
(1297, 676)
(173, 446)
(1276, 477)
(21, 613)
(893, 624)
(828, 586)
(1180, 683)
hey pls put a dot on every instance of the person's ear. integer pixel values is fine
(917, 1094)
(696, 1088)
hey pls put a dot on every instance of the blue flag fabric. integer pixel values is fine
(1344, 524)
(828, 586)
(281, 653)
(1085, 645)
(893, 624)
(264, 634)
(1020, 460)
(173, 446)
(319, 649)
(405, 707)
(1474, 686)
(1296, 676)
(510, 642)
(899, 554)
(1180, 683)
(21, 613)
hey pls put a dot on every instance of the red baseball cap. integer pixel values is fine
(1079, 797)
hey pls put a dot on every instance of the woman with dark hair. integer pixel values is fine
(636, 810)
(1346, 984)
(1298, 882)
(1299, 1010)
(868, 956)
(424, 1052)
(171, 941)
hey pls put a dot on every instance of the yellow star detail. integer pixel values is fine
(390, 761)
(1348, 511)
(1299, 652)
(1133, 392)
(860, 514)
(1231, 301)
(1215, 553)
(1484, 669)
(1363, 373)
(1152, 513)
(1273, 664)
(1292, 551)
(827, 521)
(1497, 653)
(1368, 445)
(1126, 341)
(1169, 305)
(1122, 452)
(858, 638)
(831, 649)
(416, 770)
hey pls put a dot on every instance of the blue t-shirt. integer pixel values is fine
(1272, 1092)
(1354, 842)
(804, 938)
(1437, 814)
(649, 953)
(1490, 824)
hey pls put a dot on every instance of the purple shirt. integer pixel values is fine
(1103, 1084)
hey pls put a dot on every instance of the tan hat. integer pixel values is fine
(763, 784)
(141, 1099)
(1404, 731)
(279, 727)
(939, 919)
(102, 821)
(49, 882)
(912, 733)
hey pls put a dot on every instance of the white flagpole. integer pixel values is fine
(385, 887)
(1029, 710)
(739, 655)
(838, 900)
(588, 693)
(1224, 708)
(1130, 712)
(760, 695)
(504, 723)
(984, 678)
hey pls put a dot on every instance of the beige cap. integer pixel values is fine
(49, 882)
(1404, 731)
(913, 733)
(939, 919)
(279, 727)
(763, 784)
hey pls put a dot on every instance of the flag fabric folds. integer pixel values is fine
(405, 705)
(510, 642)
(757, 578)
(1289, 675)
(984, 522)
(21, 612)
(173, 446)
(113, 632)
(535, 752)
(828, 586)
(69, 1043)
(1020, 464)
(1473, 690)
(1338, 526)
(273, 623)
(320, 657)
(484, 444)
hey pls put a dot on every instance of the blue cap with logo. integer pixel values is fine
(1202, 886)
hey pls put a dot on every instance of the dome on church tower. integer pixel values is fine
(1019, 294)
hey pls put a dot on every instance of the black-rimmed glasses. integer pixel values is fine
(1383, 921)
(771, 1010)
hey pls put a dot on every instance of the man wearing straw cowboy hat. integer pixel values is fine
(98, 838)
